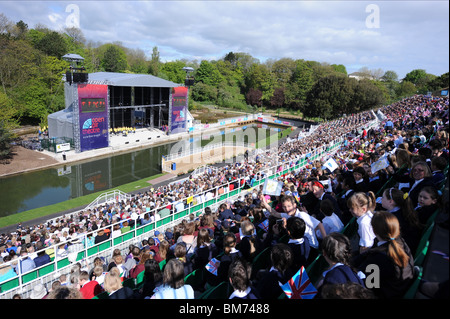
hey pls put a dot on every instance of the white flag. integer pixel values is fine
(331, 164)
(380, 164)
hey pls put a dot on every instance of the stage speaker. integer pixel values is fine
(69, 77)
(189, 82)
(80, 77)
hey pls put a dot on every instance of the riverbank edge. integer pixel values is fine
(28, 218)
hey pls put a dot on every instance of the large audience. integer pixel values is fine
(305, 220)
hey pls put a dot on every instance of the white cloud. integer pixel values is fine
(325, 31)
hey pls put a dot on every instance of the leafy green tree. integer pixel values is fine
(260, 78)
(5, 141)
(231, 76)
(6, 111)
(114, 59)
(367, 95)
(204, 92)
(53, 44)
(155, 63)
(390, 76)
(405, 89)
(301, 83)
(416, 77)
(330, 97)
(208, 74)
(19, 30)
(231, 97)
(339, 68)
(283, 70)
(136, 61)
(173, 71)
(440, 82)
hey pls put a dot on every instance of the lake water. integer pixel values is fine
(50, 186)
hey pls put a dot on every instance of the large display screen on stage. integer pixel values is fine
(179, 107)
(93, 105)
(93, 108)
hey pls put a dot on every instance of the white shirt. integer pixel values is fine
(331, 224)
(311, 224)
(365, 231)
(240, 293)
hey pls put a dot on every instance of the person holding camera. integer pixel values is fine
(290, 209)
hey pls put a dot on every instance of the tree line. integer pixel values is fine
(31, 72)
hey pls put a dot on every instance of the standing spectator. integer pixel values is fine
(180, 254)
(348, 189)
(290, 209)
(188, 238)
(140, 266)
(361, 206)
(229, 254)
(359, 174)
(163, 251)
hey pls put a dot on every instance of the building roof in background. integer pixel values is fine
(128, 79)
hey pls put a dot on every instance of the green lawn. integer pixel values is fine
(71, 203)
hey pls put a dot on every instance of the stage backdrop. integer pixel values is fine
(93, 108)
(179, 107)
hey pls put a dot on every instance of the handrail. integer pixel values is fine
(114, 195)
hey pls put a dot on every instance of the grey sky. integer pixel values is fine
(396, 35)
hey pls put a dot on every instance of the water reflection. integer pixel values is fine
(50, 186)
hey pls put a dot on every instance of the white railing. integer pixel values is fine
(197, 150)
(112, 196)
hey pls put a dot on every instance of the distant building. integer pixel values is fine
(360, 76)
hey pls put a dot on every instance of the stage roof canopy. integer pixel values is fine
(127, 79)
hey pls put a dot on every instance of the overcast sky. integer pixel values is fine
(388, 35)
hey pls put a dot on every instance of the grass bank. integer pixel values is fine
(71, 203)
